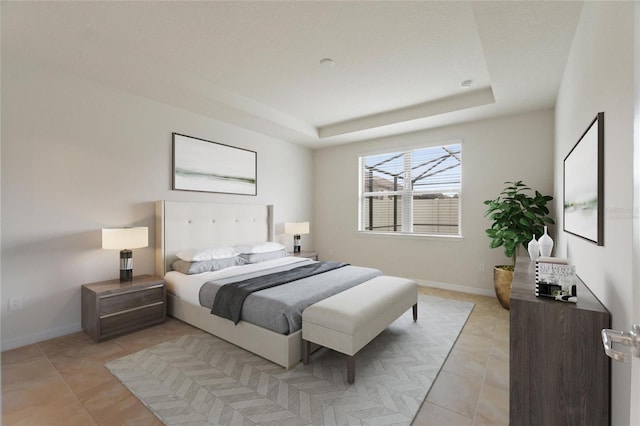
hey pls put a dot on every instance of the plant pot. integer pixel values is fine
(502, 278)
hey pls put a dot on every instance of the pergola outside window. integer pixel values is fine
(412, 192)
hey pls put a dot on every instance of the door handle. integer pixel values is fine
(628, 338)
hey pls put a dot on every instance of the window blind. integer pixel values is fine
(416, 191)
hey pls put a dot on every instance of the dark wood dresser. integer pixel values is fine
(559, 372)
(111, 308)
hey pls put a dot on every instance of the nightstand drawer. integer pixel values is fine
(112, 308)
(131, 320)
(125, 301)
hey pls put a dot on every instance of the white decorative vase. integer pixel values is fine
(534, 248)
(546, 244)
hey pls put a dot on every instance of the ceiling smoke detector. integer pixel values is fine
(466, 84)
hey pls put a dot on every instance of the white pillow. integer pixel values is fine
(265, 247)
(212, 253)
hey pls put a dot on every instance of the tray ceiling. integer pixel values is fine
(397, 66)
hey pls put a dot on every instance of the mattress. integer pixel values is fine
(279, 308)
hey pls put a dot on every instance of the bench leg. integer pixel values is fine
(351, 369)
(306, 350)
(415, 312)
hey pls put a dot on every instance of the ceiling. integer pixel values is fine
(397, 66)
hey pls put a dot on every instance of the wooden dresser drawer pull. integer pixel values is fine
(131, 310)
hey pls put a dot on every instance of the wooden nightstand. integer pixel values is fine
(111, 308)
(308, 254)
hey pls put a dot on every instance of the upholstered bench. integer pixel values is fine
(349, 320)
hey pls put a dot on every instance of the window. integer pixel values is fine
(414, 192)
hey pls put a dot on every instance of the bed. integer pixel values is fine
(183, 226)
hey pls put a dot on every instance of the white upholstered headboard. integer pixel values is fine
(183, 225)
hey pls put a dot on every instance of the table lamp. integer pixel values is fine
(295, 229)
(125, 239)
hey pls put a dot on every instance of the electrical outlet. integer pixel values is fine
(15, 303)
(481, 267)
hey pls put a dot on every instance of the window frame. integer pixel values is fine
(362, 196)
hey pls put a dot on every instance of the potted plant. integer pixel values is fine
(516, 215)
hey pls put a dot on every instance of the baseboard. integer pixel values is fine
(456, 287)
(17, 342)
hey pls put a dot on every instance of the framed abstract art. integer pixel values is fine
(584, 184)
(206, 166)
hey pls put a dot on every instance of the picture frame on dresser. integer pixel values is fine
(583, 169)
(207, 166)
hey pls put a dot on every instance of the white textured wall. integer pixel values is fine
(599, 77)
(635, 377)
(78, 156)
(504, 149)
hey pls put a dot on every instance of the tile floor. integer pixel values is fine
(63, 381)
(473, 386)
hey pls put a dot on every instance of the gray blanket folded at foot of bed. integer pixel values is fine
(230, 297)
(280, 308)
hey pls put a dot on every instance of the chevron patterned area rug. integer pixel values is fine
(200, 379)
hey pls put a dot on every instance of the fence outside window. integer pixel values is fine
(415, 191)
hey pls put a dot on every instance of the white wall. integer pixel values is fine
(494, 151)
(635, 376)
(78, 156)
(599, 77)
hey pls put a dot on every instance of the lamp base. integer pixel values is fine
(296, 243)
(126, 265)
(126, 275)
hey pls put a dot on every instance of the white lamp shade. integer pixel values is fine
(125, 238)
(296, 228)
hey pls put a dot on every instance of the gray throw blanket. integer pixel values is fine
(230, 298)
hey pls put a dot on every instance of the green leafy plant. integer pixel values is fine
(516, 216)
